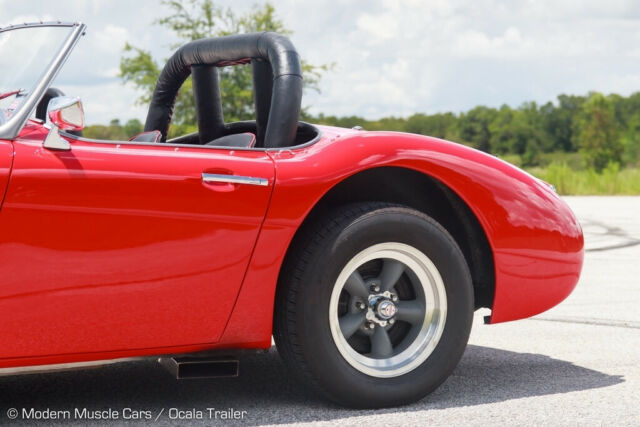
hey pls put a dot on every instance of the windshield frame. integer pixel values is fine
(13, 125)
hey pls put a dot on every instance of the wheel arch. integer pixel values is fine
(426, 194)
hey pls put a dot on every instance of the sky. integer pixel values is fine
(392, 57)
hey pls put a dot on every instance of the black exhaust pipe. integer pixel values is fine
(201, 367)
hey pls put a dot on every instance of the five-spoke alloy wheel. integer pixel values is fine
(374, 305)
(387, 309)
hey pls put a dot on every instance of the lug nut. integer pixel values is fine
(360, 305)
(392, 321)
(370, 325)
(375, 288)
(394, 297)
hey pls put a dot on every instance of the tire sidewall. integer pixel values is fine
(331, 370)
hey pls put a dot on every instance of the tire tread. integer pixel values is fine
(305, 246)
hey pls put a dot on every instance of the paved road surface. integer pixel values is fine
(579, 363)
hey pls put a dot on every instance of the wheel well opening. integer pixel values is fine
(427, 195)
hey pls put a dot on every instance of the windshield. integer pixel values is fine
(25, 54)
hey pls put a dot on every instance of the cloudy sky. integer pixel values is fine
(392, 57)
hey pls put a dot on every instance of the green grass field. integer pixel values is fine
(568, 181)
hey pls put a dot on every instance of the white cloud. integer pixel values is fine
(464, 53)
(381, 27)
(510, 44)
(111, 39)
(392, 57)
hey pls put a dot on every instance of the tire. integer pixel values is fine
(338, 332)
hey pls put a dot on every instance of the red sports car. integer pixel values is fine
(364, 254)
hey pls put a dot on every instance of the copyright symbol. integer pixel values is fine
(12, 413)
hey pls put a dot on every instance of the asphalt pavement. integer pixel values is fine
(577, 364)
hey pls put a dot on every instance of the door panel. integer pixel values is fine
(118, 246)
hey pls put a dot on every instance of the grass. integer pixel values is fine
(611, 181)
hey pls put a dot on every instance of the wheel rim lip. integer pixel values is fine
(435, 308)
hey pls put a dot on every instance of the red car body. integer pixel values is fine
(113, 250)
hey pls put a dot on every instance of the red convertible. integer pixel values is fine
(364, 254)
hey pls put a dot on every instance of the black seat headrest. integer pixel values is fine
(244, 140)
(149, 136)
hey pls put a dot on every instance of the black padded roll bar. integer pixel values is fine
(263, 88)
(206, 97)
(279, 123)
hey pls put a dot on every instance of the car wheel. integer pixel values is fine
(374, 305)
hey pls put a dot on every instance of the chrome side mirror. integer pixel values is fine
(66, 113)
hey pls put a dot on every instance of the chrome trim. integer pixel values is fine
(13, 125)
(39, 24)
(71, 111)
(234, 179)
(54, 141)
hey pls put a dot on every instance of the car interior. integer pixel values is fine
(277, 90)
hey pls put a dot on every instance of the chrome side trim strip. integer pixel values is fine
(234, 179)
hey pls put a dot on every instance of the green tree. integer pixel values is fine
(518, 132)
(501, 131)
(440, 125)
(392, 123)
(474, 127)
(132, 127)
(345, 122)
(631, 140)
(532, 136)
(597, 134)
(196, 19)
(97, 132)
(562, 125)
(114, 131)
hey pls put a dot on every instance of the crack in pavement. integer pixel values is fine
(608, 231)
(591, 321)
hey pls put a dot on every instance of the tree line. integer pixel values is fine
(603, 129)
